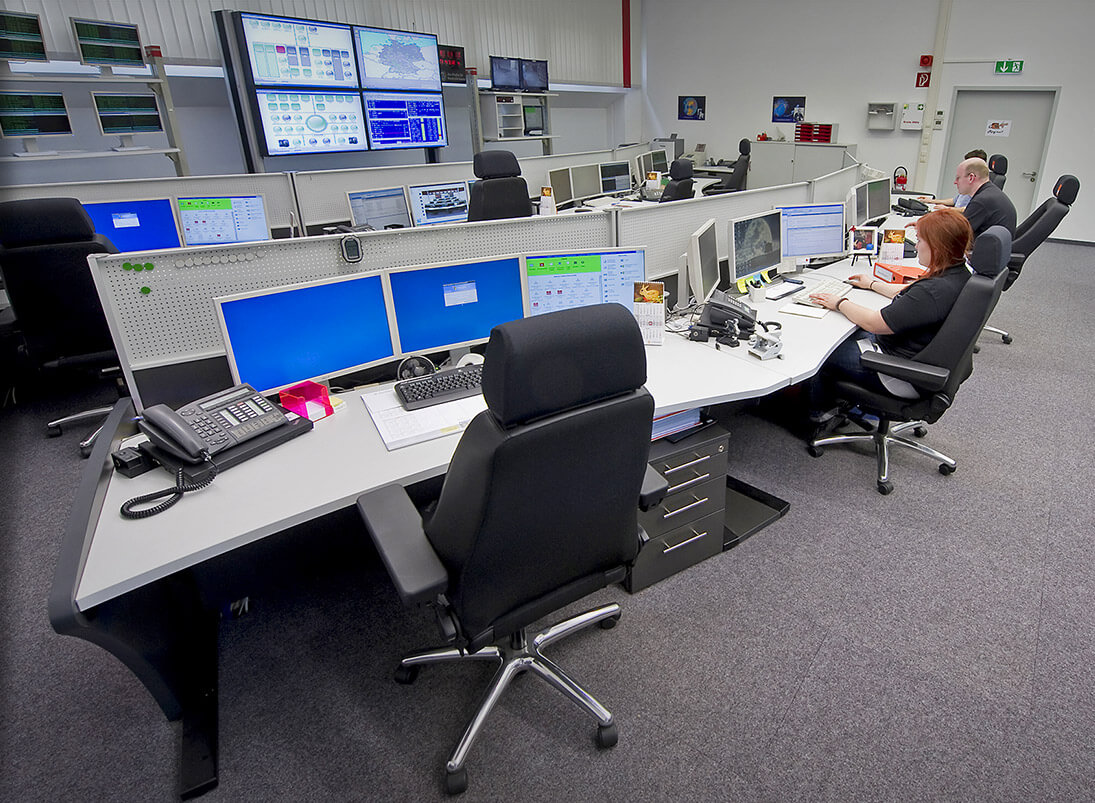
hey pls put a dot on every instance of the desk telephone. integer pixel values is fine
(719, 314)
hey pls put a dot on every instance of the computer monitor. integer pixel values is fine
(397, 60)
(123, 115)
(439, 203)
(113, 44)
(381, 209)
(505, 74)
(38, 114)
(279, 337)
(812, 230)
(859, 203)
(566, 279)
(533, 116)
(310, 121)
(21, 37)
(703, 261)
(658, 161)
(645, 163)
(676, 285)
(136, 225)
(405, 120)
(534, 75)
(878, 198)
(585, 181)
(754, 244)
(290, 52)
(454, 304)
(231, 219)
(560, 185)
(615, 177)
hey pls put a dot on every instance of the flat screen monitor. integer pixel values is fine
(405, 120)
(136, 225)
(505, 74)
(21, 37)
(445, 306)
(560, 185)
(113, 44)
(451, 60)
(397, 60)
(860, 204)
(127, 114)
(615, 177)
(291, 52)
(23, 114)
(754, 244)
(703, 261)
(658, 161)
(533, 116)
(439, 203)
(812, 230)
(382, 209)
(534, 75)
(277, 338)
(231, 219)
(645, 163)
(298, 121)
(585, 181)
(878, 198)
(567, 279)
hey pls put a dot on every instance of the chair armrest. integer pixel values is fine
(926, 377)
(395, 526)
(654, 489)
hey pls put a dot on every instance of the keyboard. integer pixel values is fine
(440, 387)
(836, 287)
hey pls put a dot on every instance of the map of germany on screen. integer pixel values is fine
(397, 60)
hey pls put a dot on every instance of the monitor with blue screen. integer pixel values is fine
(289, 52)
(405, 120)
(136, 225)
(397, 60)
(754, 245)
(381, 209)
(279, 337)
(566, 279)
(439, 203)
(812, 230)
(215, 221)
(450, 305)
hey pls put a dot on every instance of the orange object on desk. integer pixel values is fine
(897, 274)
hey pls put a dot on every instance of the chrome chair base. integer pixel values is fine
(885, 436)
(54, 428)
(1003, 335)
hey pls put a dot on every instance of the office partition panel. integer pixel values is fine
(835, 186)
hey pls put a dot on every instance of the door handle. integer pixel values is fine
(1033, 174)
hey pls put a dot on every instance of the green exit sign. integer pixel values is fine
(1009, 66)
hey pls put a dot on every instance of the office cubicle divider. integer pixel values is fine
(835, 186)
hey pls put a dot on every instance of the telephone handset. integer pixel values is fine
(718, 313)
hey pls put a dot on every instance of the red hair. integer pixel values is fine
(948, 235)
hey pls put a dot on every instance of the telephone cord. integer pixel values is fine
(173, 494)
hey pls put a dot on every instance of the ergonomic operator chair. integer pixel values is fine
(679, 187)
(1034, 231)
(735, 180)
(934, 374)
(538, 508)
(44, 245)
(998, 168)
(500, 192)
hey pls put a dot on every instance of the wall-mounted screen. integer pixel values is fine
(23, 114)
(451, 60)
(213, 221)
(439, 203)
(397, 60)
(405, 120)
(108, 43)
(298, 52)
(126, 114)
(534, 75)
(565, 280)
(505, 74)
(297, 121)
(382, 209)
(135, 225)
(21, 37)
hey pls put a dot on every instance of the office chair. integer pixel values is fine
(500, 192)
(735, 180)
(538, 508)
(935, 373)
(1036, 229)
(680, 181)
(44, 245)
(998, 168)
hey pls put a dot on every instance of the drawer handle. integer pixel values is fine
(695, 537)
(686, 483)
(671, 513)
(698, 460)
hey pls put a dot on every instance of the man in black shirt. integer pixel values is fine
(988, 205)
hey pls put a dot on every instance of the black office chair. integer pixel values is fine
(733, 181)
(500, 192)
(998, 168)
(44, 245)
(935, 373)
(538, 509)
(679, 187)
(1034, 231)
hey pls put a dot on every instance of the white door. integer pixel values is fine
(1013, 122)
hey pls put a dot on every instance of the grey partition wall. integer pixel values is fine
(835, 186)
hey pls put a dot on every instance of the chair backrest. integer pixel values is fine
(734, 181)
(1042, 222)
(680, 181)
(998, 168)
(539, 506)
(500, 191)
(44, 245)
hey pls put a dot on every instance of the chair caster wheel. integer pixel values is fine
(1006, 339)
(976, 349)
(607, 735)
(85, 452)
(815, 451)
(406, 675)
(946, 470)
(609, 623)
(456, 782)
(53, 432)
(885, 488)
(920, 432)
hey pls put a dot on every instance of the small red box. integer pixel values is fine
(897, 274)
(926, 61)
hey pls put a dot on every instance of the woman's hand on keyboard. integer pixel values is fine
(827, 300)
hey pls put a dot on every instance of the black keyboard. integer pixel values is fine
(438, 388)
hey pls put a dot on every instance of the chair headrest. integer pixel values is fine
(550, 363)
(1066, 188)
(991, 251)
(36, 221)
(496, 164)
(680, 169)
(998, 163)
(745, 147)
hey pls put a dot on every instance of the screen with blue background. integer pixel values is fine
(449, 305)
(135, 225)
(314, 331)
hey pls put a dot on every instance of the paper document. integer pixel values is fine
(794, 308)
(399, 427)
